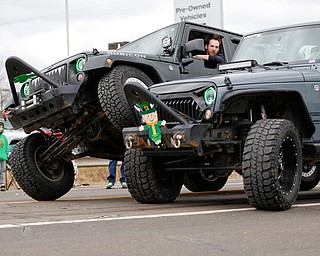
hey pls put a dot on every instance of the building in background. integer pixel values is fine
(207, 12)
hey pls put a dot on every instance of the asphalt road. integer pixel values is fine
(95, 221)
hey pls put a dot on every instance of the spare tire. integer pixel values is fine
(111, 95)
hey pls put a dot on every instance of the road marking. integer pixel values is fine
(114, 197)
(306, 205)
(22, 202)
(177, 214)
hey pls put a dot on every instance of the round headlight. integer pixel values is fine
(25, 92)
(209, 96)
(80, 64)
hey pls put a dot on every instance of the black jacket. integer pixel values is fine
(213, 61)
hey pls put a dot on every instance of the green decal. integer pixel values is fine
(23, 78)
(149, 116)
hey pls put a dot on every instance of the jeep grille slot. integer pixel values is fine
(59, 73)
(186, 106)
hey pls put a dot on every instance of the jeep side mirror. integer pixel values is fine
(235, 40)
(194, 47)
(186, 61)
(191, 48)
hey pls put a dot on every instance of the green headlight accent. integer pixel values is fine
(80, 64)
(24, 77)
(209, 96)
(25, 90)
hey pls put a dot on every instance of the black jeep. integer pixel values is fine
(81, 101)
(259, 117)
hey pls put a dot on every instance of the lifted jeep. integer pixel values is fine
(80, 99)
(260, 117)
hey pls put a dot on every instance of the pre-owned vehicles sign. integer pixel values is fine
(208, 12)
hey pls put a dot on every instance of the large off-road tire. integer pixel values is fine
(310, 177)
(111, 94)
(195, 182)
(272, 164)
(39, 181)
(146, 183)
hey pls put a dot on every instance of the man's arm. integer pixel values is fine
(202, 57)
(216, 59)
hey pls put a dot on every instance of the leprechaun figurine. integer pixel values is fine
(149, 116)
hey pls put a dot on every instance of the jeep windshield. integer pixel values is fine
(152, 43)
(281, 46)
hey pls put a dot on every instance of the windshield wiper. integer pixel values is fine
(276, 63)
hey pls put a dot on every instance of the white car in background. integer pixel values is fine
(13, 136)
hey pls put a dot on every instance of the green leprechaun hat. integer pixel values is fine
(145, 107)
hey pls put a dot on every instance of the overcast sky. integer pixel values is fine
(35, 30)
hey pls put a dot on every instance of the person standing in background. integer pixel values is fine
(4, 153)
(112, 175)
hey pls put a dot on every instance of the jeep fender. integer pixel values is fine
(300, 115)
(109, 61)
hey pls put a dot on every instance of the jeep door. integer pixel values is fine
(228, 46)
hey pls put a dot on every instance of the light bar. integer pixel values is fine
(238, 65)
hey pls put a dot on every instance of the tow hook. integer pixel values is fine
(177, 140)
(128, 141)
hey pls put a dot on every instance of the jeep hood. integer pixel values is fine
(119, 53)
(94, 61)
(237, 79)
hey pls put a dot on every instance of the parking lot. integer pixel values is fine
(93, 220)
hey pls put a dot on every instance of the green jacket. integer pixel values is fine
(4, 148)
(154, 132)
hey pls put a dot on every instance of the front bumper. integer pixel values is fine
(178, 138)
(44, 108)
(50, 98)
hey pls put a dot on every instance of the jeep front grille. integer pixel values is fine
(59, 73)
(186, 106)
